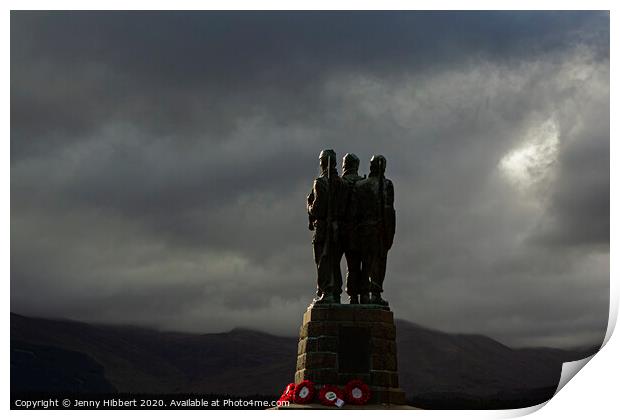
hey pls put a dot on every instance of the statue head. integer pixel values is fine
(350, 163)
(327, 157)
(377, 165)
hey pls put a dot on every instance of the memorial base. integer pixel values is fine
(338, 343)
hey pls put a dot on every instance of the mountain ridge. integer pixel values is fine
(433, 365)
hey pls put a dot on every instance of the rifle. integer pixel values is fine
(328, 230)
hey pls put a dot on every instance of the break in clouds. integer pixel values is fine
(160, 164)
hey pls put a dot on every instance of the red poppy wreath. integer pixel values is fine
(288, 394)
(331, 395)
(356, 392)
(304, 392)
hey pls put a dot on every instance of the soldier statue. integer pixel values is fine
(325, 211)
(350, 244)
(375, 218)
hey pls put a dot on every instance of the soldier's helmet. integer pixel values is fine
(350, 162)
(377, 164)
(327, 155)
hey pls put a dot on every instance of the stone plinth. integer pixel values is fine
(338, 343)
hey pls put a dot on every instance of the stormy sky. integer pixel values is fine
(160, 164)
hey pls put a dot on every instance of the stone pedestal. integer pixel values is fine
(338, 343)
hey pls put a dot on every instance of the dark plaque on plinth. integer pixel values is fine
(338, 343)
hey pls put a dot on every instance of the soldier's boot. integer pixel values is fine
(327, 299)
(319, 295)
(353, 300)
(365, 298)
(377, 300)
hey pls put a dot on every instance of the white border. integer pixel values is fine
(592, 395)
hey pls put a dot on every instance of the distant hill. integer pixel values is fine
(35, 368)
(436, 369)
(149, 361)
(475, 371)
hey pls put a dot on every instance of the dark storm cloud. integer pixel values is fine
(197, 69)
(580, 203)
(160, 163)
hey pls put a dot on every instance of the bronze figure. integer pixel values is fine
(324, 206)
(355, 287)
(375, 219)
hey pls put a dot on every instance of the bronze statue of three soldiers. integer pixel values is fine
(354, 216)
